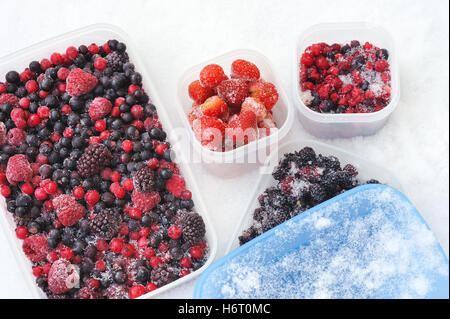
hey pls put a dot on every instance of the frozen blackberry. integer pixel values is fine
(192, 226)
(144, 179)
(329, 162)
(106, 223)
(94, 159)
(116, 60)
(317, 193)
(162, 275)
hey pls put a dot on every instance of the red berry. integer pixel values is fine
(211, 75)
(127, 250)
(71, 52)
(100, 64)
(196, 252)
(160, 148)
(245, 70)
(322, 63)
(93, 48)
(128, 184)
(184, 272)
(150, 287)
(186, 262)
(52, 256)
(68, 132)
(27, 188)
(307, 59)
(45, 64)
(199, 93)
(116, 245)
(50, 187)
(149, 252)
(101, 244)
(153, 163)
(5, 190)
(163, 247)
(133, 88)
(136, 291)
(31, 86)
(66, 253)
(174, 232)
(100, 125)
(40, 193)
(137, 111)
(155, 261)
(127, 146)
(142, 242)
(37, 271)
(94, 283)
(115, 177)
(92, 197)
(56, 58)
(63, 73)
(66, 109)
(33, 120)
(22, 232)
(100, 265)
(135, 213)
(24, 103)
(78, 192)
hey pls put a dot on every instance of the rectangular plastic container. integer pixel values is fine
(231, 163)
(345, 125)
(366, 169)
(100, 33)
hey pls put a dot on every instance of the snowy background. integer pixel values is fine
(174, 35)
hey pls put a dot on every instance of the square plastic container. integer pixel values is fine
(367, 170)
(345, 125)
(99, 33)
(231, 163)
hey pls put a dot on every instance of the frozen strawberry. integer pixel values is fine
(210, 131)
(199, 93)
(9, 98)
(16, 136)
(194, 113)
(176, 185)
(80, 82)
(211, 75)
(215, 107)
(145, 201)
(99, 108)
(233, 91)
(2, 133)
(62, 276)
(255, 106)
(35, 247)
(266, 126)
(245, 70)
(266, 92)
(18, 169)
(68, 210)
(242, 130)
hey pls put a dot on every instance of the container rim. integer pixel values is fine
(241, 151)
(352, 117)
(148, 84)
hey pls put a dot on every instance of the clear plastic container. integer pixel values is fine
(231, 163)
(345, 125)
(99, 33)
(367, 170)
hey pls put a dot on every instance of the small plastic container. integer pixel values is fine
(99, 33)
(231, 163)
(366, 169)
(345, 125)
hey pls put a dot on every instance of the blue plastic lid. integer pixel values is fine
(369, 242)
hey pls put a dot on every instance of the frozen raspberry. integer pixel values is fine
(68, 210)
(381, 65)
(322, 63)
(215, 107)
(211, 75)
(99, 108)
(62, 276)
(255, 106)
(116, 291)
(9, 98)
(16, 136)
(266, 92)
(176, 185)
(145, 201)
(18, 169)
(242, 130)
(2, 133)
(210, 131)
(35, 247)
(245, 70)
(80, 82)
(199, 93)
(233, 91)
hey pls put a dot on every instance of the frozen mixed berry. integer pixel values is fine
(303, 180)
(349, 78)
(88, 178)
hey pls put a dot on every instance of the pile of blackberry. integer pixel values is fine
(304, 180)
(119, 251)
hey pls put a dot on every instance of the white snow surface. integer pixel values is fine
(174, 35)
